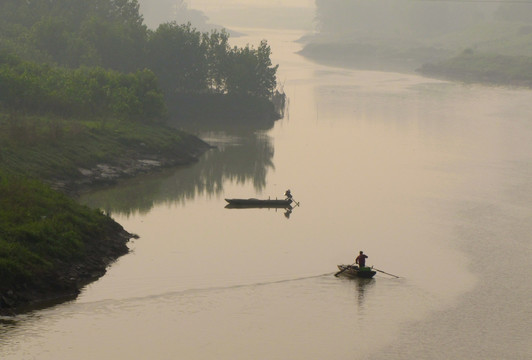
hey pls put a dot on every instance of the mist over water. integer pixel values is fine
(433, 180)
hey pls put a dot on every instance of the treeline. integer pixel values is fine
(84, 92)
(186, 60)
(110, 34)
(415, 20)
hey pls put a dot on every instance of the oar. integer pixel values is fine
(384, 272)
(344, 269)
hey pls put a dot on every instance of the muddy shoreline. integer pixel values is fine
(135, 163)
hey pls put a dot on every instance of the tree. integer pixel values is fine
(117, 46)
(251, 71)
(217, 43)
(178, 56)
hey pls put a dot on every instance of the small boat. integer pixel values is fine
(356, 272)
(285, 203)
(258, 203)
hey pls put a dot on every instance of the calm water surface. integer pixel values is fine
(433, 180)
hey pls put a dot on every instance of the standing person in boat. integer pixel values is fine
(361, 259)
(288, 194)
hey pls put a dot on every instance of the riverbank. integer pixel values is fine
(72, 156)
(51, 246)
(468, 67)
(371, 56)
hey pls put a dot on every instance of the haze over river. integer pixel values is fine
(432, 179)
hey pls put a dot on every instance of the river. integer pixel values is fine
(432, 179)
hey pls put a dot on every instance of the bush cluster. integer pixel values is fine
(84, 92)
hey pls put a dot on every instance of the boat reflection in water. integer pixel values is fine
(362, 283)
(287, 208)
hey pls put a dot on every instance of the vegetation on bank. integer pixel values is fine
(54, 121)
(85, 91)
(50, 245)
(44, 234)
(111, 35)
(57, 150)
(474, 67)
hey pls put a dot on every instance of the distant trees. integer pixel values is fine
(110, 34)
(413, 20)
(250, 71)
(178, 55)
(395, 19)
(107, 33)
(186, 60)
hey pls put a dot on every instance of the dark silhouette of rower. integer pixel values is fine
(361, 259)
(288, 194)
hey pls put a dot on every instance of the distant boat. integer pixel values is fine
(263, 203)
(356, 272)
(258, 203)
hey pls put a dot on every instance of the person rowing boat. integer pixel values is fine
(288, 194)
(361, 259)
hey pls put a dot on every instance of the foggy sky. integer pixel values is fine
(206, 5)
(207, 14)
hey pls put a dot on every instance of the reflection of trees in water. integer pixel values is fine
(7, 325)
(249, 160)
(248, 157)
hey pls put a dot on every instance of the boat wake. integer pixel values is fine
(189, 292)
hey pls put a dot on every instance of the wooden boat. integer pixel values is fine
(356, 272)
(258, 203)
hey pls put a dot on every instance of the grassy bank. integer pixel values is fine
(49, 244)
(73, 154)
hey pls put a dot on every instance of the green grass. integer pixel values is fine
(40, 229)
(49, 148)
(46, 138)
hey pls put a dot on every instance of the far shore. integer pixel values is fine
(468, 67)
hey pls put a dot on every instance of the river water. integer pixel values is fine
(432, 179)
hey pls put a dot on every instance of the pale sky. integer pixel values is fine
(206, 5)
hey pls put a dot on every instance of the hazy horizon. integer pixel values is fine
(207, 14)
